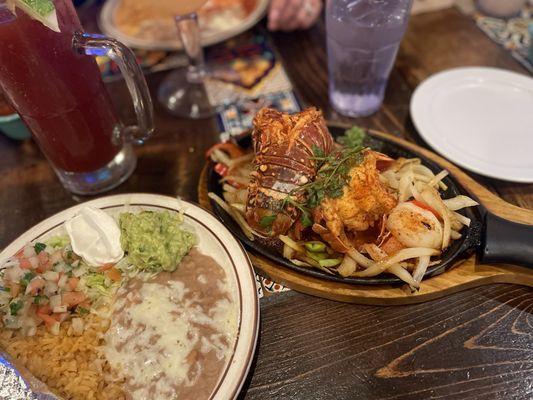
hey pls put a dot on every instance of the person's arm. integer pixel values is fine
(288, 15)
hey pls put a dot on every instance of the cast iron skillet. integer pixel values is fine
(495, 239)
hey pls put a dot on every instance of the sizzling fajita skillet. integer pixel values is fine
(499, 232)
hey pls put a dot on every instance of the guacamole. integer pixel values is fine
(154, 241)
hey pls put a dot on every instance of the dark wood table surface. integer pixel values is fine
(476, 344)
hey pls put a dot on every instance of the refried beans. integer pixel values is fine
(171, 336)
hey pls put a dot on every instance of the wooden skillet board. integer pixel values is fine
(467, 274)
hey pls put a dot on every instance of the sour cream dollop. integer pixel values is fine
(95, 236)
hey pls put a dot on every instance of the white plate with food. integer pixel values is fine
(130, 296)
(139, 24)
(479, 118)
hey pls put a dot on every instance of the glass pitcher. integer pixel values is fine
(49, 76)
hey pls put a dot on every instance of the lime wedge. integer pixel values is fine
(43, 11)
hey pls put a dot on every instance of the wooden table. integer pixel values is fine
(473, 345)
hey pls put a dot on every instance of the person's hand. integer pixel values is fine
(288, 15)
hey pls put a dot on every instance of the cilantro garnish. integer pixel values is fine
(267, 221)
(39, 247)
(15, 307)
(28, 276)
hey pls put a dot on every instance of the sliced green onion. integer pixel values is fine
(315, 246)
(330, 262)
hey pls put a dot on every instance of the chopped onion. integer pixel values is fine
(347, 267)
(29, 251)
(62, 281)
(50, 288)
(55, 301)
(51, 276)
(77, 326)
(79, 271)
(459, 202)
(34, 261)
(59, 309)
(54, 329)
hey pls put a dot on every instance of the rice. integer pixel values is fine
(71, 366)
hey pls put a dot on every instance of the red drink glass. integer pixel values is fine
(55, 85)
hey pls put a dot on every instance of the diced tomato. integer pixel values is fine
(425, 206)
(221, 169)
(229, 148)
(113, 274)
(47, 319)
(24, 263)
(35, 285)
(19, 254)
(72, 298)
(392, 245)
(105, 267)
(73, 283)
(46, 309)
(44, 258)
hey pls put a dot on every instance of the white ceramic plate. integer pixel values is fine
(479, 118)
(106, 23)
(214, 240)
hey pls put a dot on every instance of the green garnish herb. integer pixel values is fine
(39, 299)
(15, 307)
(267, 221)
(28, 276)
(82, 310)
(39, 247)
(333, 174)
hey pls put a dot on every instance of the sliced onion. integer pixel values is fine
(405, 276)
(360, 259)
(461, 218)
(247, 229)
(234, 162)
(404, 191)
(455, 235)
(438, 178)
(238, 179)
(401, 255)
(421, 267)
(432, 198)
(238, 207)
(299, 263)
(347, 267)
(288, 252)
(228, 188)
(459, 202)
(291, 243)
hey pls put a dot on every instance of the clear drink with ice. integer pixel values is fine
(363, 37)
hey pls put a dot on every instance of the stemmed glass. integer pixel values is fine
(182, 92)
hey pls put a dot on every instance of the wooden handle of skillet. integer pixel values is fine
(490, 201)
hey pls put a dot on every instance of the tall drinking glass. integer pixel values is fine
(363, 37)
(49, 76)
(182, 92)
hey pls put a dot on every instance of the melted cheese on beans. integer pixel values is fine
(172, 333)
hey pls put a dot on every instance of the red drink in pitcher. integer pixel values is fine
(59, 92)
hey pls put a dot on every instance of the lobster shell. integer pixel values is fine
(284, 160)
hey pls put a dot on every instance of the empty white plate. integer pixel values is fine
(479, 118)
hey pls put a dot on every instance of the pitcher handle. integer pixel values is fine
(100, 45)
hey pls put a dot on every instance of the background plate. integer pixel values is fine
(479, 118)
(107, 25)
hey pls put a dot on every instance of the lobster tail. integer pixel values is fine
(284, 147)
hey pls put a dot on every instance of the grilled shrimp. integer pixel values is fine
(414, 226)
